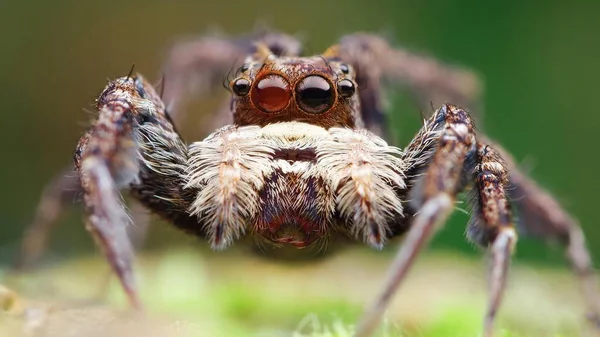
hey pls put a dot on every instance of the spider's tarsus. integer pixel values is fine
(501, 251)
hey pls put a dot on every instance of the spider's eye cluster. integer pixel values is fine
(314, 94)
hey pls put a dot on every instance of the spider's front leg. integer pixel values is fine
(132, 144)
(442, 158)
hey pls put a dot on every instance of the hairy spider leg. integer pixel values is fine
(438, 155)
(539, 214)
(131, 124)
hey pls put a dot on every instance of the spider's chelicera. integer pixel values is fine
(301, 161)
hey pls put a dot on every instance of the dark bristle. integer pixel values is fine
(130, 71)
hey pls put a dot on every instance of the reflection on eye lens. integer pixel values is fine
(271, 93)
(314, 94)
(346, 88)
(344, 68)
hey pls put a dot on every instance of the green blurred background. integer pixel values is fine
(539, 63)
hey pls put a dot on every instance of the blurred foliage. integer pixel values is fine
(539, 62)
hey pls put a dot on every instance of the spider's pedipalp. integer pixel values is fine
(228, 170)
(366, 173)
(295, 183)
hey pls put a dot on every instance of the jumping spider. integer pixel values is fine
(301, 160)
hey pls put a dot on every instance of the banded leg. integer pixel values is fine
(437, 158)
(491, 223)
(122, 150)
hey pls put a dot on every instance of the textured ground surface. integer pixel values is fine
(190, 294)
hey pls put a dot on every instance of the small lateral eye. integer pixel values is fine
(344, 68)
(244, 67)
(241, 87)
(346, 88)
(314, 94)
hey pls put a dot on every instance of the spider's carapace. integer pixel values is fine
(316, 90)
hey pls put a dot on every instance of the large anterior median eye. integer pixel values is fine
(314, 94)
(272, 93)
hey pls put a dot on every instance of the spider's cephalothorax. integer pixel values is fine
(301, 160)
(316, 90)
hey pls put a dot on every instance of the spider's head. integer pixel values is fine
(318, 90)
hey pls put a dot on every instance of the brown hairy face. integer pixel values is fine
(319, 90)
